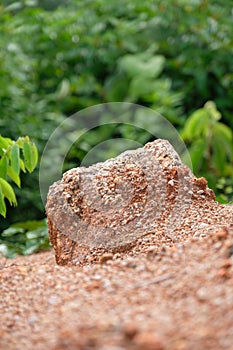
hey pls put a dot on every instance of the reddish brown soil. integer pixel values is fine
(158, 296)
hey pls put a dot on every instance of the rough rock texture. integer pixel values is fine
(109, 206)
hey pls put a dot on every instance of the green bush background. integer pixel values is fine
(58, 57)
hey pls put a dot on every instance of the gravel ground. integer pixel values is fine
(165, 293)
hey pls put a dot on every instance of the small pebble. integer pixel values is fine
(230, 251)
(130, 330)
(147, 341)
(221, 233)
(105, 257)
(227, 264)
(222, 272)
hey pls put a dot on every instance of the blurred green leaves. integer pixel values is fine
(24, 238)
(211, 145)
(139, 78)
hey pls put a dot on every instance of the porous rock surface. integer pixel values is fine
(109, 206)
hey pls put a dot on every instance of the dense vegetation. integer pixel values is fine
(58, 57)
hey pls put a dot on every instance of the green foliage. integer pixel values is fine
(24, 238)
(92, 52)
(224, 189)
(11, 163)
(211, 147)
(138, 78)
(49, 5)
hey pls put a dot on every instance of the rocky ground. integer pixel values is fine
(161, 294)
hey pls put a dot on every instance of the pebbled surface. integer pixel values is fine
(159, 295)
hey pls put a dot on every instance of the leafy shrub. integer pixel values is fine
(12, 163)
(78, 55)
(24, 238)
(211, 148)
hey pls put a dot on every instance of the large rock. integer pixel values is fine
(108, 207)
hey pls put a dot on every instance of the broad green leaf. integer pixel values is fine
(64, 89)
(140, 86)
(223, 135)
(14, 177)
(198, 154)
(8, 191)
(22, 166)
(222, 150)
(15, 6)
(28, 157)
(4, 142)
(15, 156)
(3, 167)
(2, 204)
(34, 153)
(40, 232)
(139, 65)
(210, 106)
(20, 142)
(219, 159)
(11, 231)
(225, 131)
(196, 126)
